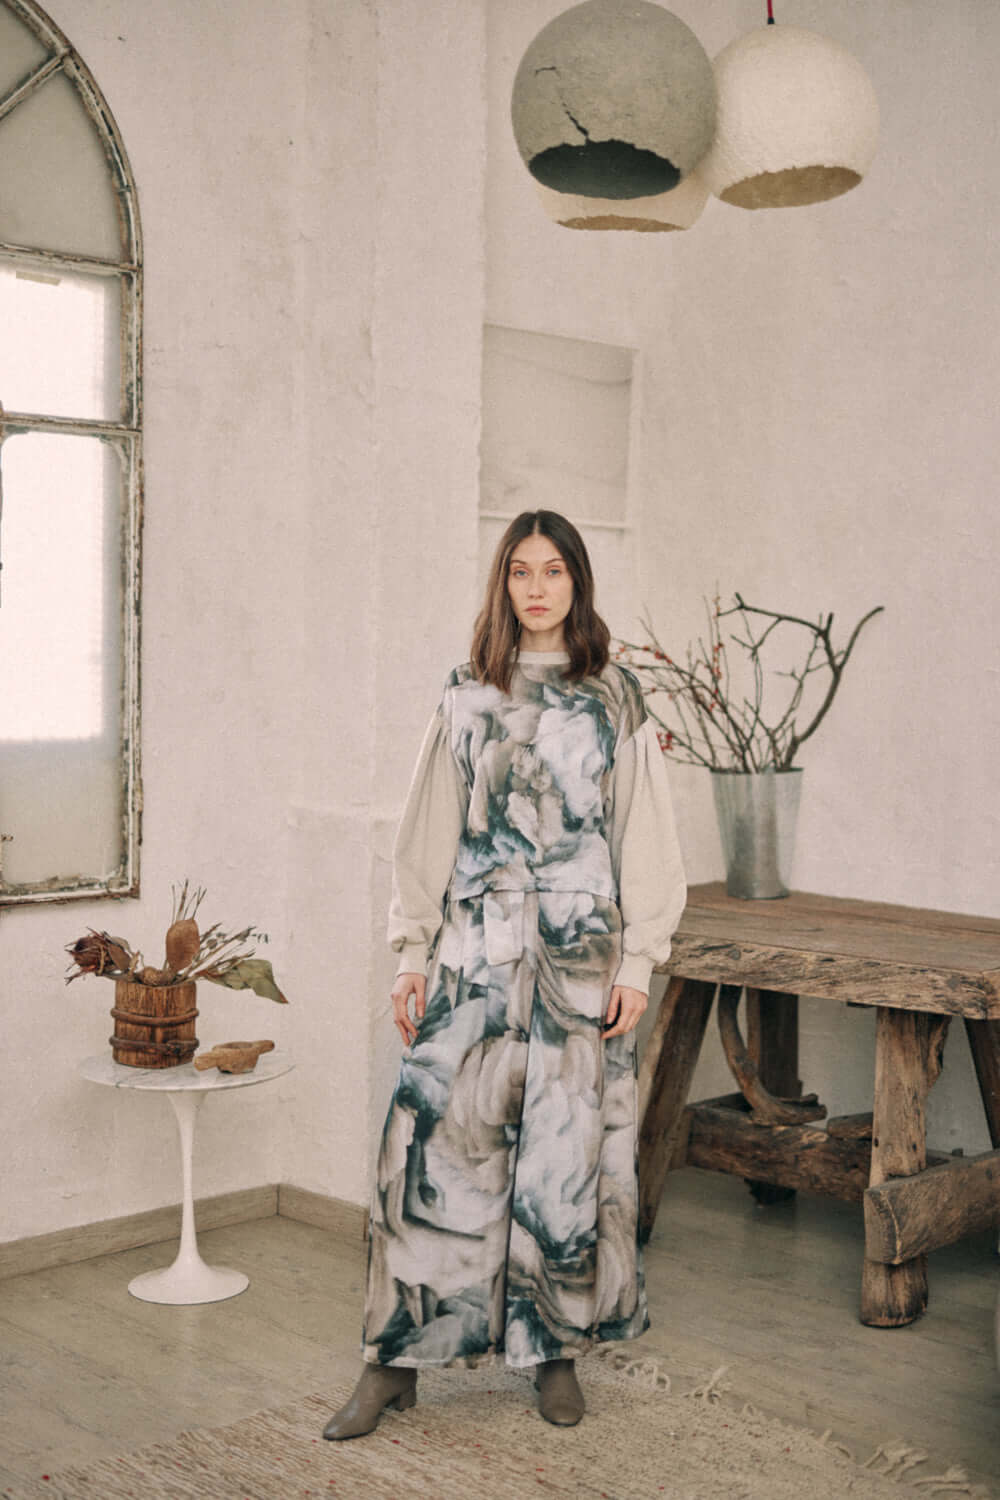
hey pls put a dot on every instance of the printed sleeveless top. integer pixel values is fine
(537, 764)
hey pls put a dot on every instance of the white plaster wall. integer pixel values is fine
(392, 565)
(430, 299)
(817, 429)
(329, 847)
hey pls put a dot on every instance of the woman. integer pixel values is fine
(537, 880)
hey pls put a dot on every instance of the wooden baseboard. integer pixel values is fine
(63, 1247)
(349, 1219)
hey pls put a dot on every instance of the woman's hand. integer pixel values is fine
(405, 986)
(624, 1009)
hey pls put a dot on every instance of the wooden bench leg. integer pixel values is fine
(668, 1067)
(908, 1050)
(773, 1043)
(984, 1042)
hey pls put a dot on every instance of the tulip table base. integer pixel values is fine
(189, 1280)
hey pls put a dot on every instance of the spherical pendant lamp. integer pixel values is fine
(662, 212)
(614, 99)
(797, 120)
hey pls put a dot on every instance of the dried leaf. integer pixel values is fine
(99, 953)
(183, 943)
(120, 953)
(249, 974)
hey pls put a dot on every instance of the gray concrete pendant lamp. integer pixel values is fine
(613, 103)
(798, 119)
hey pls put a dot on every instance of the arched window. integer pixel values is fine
(70, 475)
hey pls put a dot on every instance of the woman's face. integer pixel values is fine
(540, 587)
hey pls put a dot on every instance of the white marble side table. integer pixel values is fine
(189, 1279)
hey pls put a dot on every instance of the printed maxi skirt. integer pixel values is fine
(505, 1208)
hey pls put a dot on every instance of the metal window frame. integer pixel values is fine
(124, 435)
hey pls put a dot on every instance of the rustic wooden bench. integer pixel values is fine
(919, 969)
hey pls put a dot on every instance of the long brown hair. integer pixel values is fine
(497, 631)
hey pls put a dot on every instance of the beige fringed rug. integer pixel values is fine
(476, 1435)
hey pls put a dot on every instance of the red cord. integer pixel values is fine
(770, 12)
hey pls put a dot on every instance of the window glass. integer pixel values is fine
(60, 640)
(75, 787)
(21, 52)
(60, 350)
(49, 141)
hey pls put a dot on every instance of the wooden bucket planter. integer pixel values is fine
(154, 1024)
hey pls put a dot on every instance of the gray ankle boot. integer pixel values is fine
(380, 1387)
(560, 1399)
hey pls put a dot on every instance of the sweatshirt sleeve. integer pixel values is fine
(425, 848)
(646, 856)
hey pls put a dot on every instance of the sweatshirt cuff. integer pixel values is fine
(635, 972)
(412, 959)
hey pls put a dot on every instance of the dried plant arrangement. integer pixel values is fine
(720, 722)
(224, 957)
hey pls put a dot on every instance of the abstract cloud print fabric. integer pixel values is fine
(536, 866)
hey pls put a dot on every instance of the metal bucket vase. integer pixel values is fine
(757, 813)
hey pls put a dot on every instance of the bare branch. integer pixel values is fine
(727, 730)
(837, 665)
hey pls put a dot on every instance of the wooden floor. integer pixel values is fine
(771, 1293)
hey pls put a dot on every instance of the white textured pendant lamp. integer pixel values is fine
(797, 123)
(678, 209)
(614, 99)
